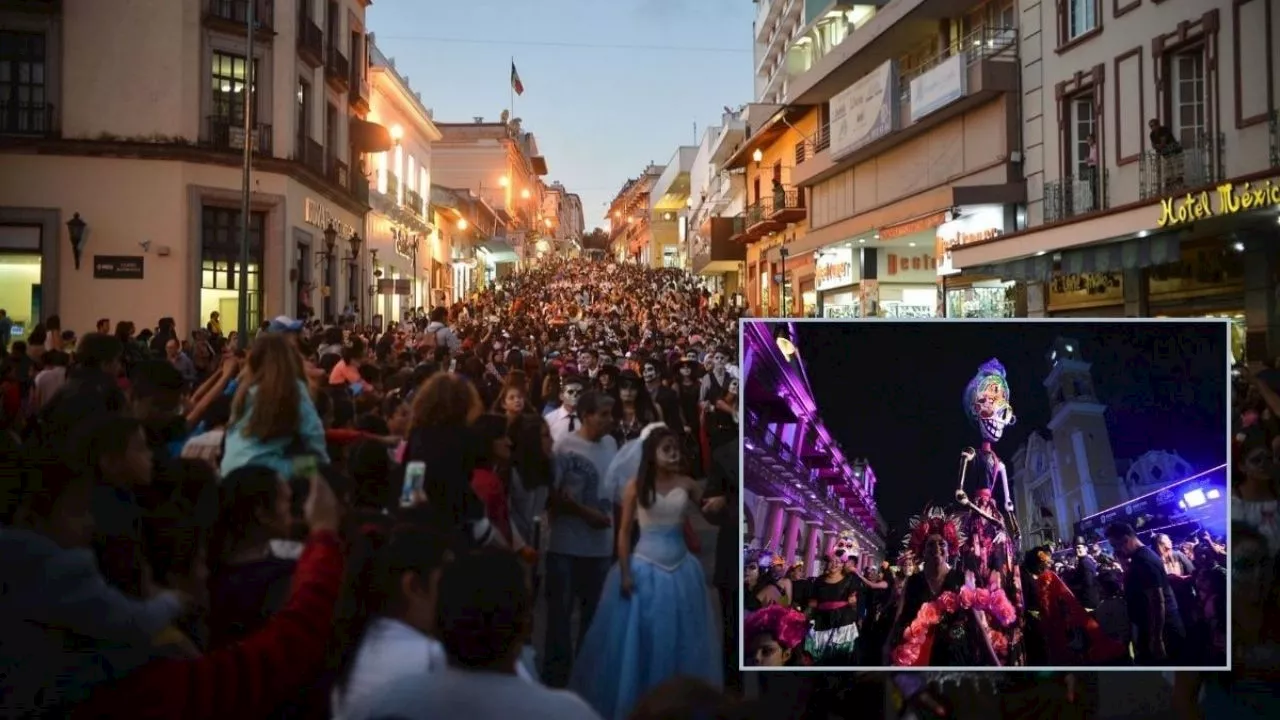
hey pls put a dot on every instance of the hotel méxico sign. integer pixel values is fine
(1226, 199)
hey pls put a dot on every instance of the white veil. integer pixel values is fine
(626, 464)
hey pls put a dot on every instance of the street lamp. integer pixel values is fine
(758, 156)
(75, 231)
(783, 253)
(330, 242)
(462, 223)
(525, 194)
(504, 181)
(354, 242)
(397, 134)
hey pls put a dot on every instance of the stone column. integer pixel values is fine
(829, 541)
(813, 544)
(771, 537)
(1137, 294)
(1036, 305)
(795, 522)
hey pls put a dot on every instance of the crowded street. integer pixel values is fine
(408, 360)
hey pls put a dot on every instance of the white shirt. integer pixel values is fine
(454, 693)
(392, 651)
(558, 422)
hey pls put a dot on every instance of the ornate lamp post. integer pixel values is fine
(75, 231)
(330, 242)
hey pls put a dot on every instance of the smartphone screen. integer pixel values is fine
(304, 466)
(415, 473)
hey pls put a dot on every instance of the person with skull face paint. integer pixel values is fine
(564, 420)
(688, 385)
(634, 410)
(667, 400)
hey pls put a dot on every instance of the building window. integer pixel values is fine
(1083, 116)
(22, 83)
(1082, 16)
(1187, 96)
(304, 113)
(230, 75)
(220, 265)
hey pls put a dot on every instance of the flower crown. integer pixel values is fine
(933, 521)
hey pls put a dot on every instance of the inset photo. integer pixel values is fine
(985, 494)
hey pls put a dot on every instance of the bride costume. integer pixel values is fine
(665, 629)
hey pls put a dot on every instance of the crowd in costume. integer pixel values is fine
(358, 522)
(962, 595)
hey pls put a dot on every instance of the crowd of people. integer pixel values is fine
(336, 521)
(1132, 604)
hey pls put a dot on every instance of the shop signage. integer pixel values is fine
(939, 87)
(1226, 199)
(974, 224)
(864, 111)
(911, 227)
(320, 216)
(833, 269)
(894, 267)
(117, 267)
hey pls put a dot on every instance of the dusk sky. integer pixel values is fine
(891, 392)
(610, 85)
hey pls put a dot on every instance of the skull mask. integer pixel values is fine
(650, 373)
(569, 395)
(719, 360)
(987, 401)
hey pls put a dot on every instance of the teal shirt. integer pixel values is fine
(241, 450)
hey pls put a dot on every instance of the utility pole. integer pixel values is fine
(242, 280)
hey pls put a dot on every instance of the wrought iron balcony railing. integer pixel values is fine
(26, 119)
(310, 40)
(337, 68)
(1073, 196)
(237, 11)
(413, 201)
(1197, 164)
(337, 172)
(360, 187)
(311, 154)
(227, 133)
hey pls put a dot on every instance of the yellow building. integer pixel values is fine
(630, 217)
(779, 282)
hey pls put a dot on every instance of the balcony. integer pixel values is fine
(771, 214)
(989, 64)
(714, 250)
(360, 188)
(1070, 197)
(33, 119)
(337, 173)
(393, 185)
(311, 155)
(310, 42)
(231, 17)
(337, 70)
(1200, 163)
(413, 201)
(228, 134)
(358, 91)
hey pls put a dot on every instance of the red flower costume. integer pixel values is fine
(1060, 612)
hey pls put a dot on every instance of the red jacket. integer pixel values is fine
(493, 493)
(247, 679)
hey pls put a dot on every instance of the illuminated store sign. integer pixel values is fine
(1227, 199)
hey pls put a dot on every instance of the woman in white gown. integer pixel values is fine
(654, 618)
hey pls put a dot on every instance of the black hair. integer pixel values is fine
(156, 379)
(372, 424)
(98, 438)
(97, 349)
(176, 533)
(377, 559)
(40, 480)
(488, 428)
(439, 314)
(527, 457)
(484, 607)
(1120, 531)
(594, 401)
(242, 495)
(646, 476)
(218, 412)
(372, 484)
(55, 358)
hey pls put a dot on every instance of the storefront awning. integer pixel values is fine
(497, 250)
(369, 137)
(1131, 254)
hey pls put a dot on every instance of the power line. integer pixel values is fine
(549, 44)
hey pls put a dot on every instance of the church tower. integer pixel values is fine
(1085, 478)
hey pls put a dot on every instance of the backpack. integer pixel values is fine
(431, 340)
